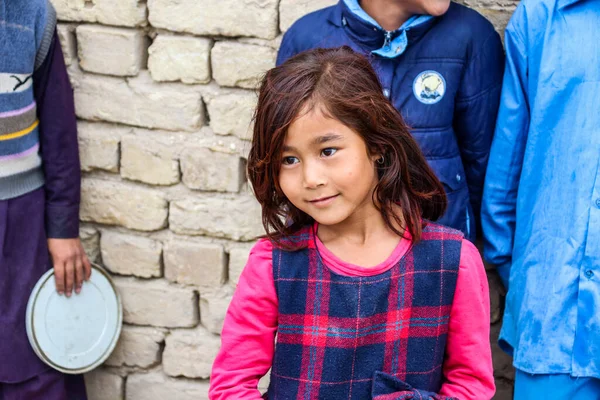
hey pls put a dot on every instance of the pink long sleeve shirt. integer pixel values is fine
(248, 337)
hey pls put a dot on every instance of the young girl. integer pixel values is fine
(367, 298)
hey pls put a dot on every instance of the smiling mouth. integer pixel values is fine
(323, 200)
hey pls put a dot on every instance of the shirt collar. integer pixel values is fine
(565, 3)
(364, 29)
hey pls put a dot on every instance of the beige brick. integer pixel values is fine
(99, 145)
(199, 264)
(151, 158)
(190, 353)
(291, 10)
(209, 170)
(206, 138)
(238, 256)
(117, 203)
(231, 113)
(137, 347)
(216, 17)
(90, 240)
(498, 18)
(139, 101)
(109, 12)
(263, 383)
(157, 386)
(237, 218)
(66, 36)
(157, 303)
(240, 64)
(213, 307)
(111, 51)
(507, 5)
(131, 255)
(103, 385)
(180, 58)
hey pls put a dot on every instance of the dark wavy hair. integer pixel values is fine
(344, 86)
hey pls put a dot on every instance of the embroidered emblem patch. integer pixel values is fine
(13, 83)
(429, 87)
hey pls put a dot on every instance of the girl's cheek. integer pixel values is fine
(286, 181)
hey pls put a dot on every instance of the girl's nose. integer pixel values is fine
(313, 176)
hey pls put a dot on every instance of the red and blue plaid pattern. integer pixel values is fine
(337, 332)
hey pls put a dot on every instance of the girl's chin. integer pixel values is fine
(328, 220)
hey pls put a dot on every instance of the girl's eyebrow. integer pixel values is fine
(329, 137)
(319, 140)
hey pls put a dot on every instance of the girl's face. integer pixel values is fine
(326, 170)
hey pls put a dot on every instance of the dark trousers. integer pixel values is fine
(49, 385)
(23, 260)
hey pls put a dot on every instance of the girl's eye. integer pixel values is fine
(290, 160)
(328, 152)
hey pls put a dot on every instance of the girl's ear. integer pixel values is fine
(378, 158)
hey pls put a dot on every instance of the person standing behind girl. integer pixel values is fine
(440, 64)
(368, 299)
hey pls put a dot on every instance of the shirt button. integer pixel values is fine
(386, 93)
(458, 177)
(344, 22)
(598, 202)
(589, 273)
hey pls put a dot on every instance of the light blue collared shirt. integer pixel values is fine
(392, 47)
(541, 201)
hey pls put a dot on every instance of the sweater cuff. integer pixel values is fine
(62, 222)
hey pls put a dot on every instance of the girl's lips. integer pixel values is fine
(323, 201)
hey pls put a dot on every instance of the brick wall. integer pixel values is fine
(163, 95)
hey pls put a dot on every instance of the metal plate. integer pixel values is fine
(74, 335)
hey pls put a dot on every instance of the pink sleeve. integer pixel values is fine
(468, 369)
(248, 336)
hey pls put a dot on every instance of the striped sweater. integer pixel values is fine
(26, 32)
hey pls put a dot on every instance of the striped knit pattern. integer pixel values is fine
(28, 35)
(337, 333)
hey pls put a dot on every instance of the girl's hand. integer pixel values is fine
(389, 387)
(71, 265)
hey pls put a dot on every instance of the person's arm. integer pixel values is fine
(58, 144)
(248, 337)
(60, 159)
(475, 114)
(468, 370)
(498, 212)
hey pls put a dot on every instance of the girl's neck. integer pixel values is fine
(366, 241)
(366, 225)
(390, 14)
(355, 231)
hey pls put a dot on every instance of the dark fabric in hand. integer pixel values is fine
(388, 387)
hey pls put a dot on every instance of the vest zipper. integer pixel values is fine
(388, 39)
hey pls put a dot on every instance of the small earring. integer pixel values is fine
(381, 160)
